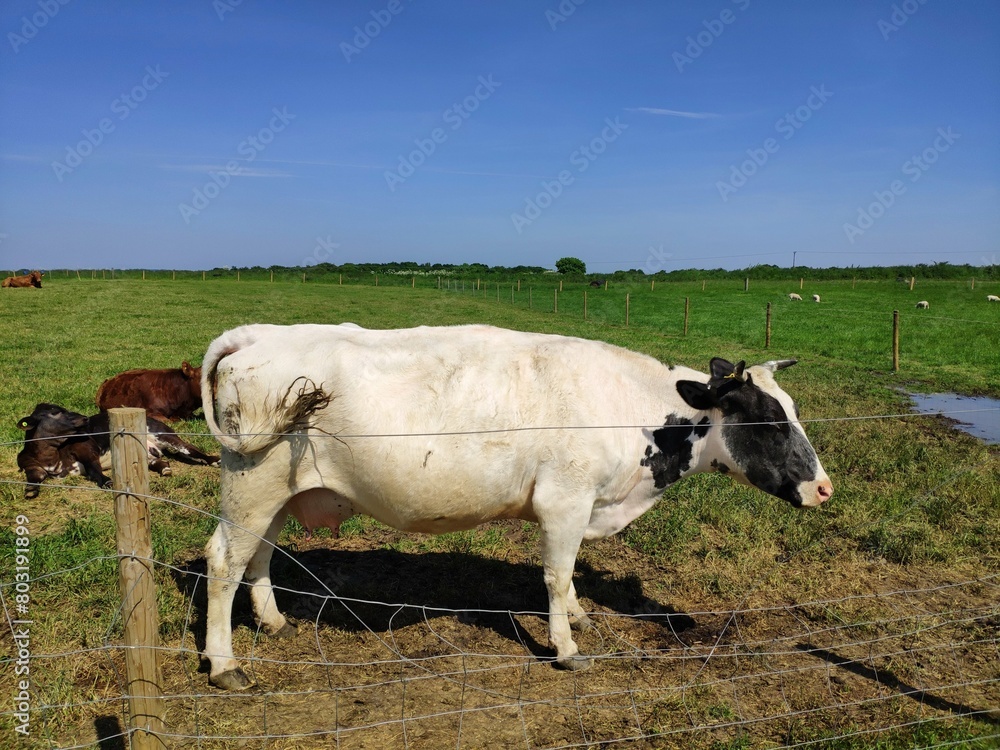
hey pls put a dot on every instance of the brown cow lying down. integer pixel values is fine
(59, 442)
(164, 394)
(32, 279)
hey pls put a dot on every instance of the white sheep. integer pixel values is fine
(923, 304)
(992, 298)
(815, 298)
(794, 297)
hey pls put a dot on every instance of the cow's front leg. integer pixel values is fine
(35, 476)
(561, 537)
(92, 468)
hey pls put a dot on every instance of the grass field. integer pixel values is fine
(916, 509)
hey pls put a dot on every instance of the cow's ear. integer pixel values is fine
(696, 395)
(720, 368)
(187, 369)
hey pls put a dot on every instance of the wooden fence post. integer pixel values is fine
(687, 309)
(913, 280)
(801, 282)
(202, 275)
(973, 283)
(130, 481)
(272, 275)
(895, 340)
(519, 285)
(767, 330)
(746, 284)
(555, 301)
(703, 285)
(303, 278)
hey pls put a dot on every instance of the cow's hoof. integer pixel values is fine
(166, 471)
(582, 623)
(234, 679)
(30, 493)
(575, 663)
(286, 631)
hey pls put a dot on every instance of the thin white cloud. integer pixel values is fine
(23, 157)
(240, 172)
(674, 113)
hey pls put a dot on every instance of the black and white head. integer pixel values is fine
(759, 430)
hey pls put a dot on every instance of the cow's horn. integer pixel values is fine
(778, 364)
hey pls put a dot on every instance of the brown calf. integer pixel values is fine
(32, 279)
(164, 394)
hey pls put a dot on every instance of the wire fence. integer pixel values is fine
(406, 665)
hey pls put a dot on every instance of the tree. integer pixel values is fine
(571, 265)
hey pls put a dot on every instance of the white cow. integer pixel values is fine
(795, 297)
(992, 298)
(440, 429)
(815, 298)
(923, 304)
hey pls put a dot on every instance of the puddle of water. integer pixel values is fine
(977, 415)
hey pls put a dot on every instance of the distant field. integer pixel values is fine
(917, 507)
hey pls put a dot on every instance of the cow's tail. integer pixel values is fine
(259, 422)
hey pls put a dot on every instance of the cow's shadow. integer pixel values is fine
(370, 587)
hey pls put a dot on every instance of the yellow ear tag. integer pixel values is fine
(729, 376)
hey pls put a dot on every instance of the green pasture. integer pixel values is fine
(912, 495)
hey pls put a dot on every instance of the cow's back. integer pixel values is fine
(427, 421)
(162, 393)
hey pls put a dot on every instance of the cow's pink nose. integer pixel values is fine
(823, 491)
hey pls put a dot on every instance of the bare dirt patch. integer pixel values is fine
(448, 649)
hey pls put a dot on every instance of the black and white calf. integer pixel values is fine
(440, 429)
(60, 443)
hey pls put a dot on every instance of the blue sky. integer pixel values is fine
(647, 135)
